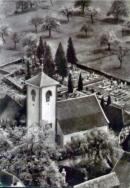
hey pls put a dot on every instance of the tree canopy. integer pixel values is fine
(50, 24)
(71, 55)
(80, 83)
(118, 9)
(98, 151)
(92, 13)
(70, 84)
(82, 4)
(86, 28)
(15, 38)
(66, 12)
(49, 66)
(36, 21)
(4, 31)
(108, 38)
(29, 158)
(61, 62)
(40, 49)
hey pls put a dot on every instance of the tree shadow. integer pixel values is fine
(110, 20)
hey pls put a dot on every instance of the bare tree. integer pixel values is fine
(22, 5)
(82, 4)
(92, 12)
(15, 38)
(86, 28)
(36, 22)
(118, 9)
(51, 2)
(29, 40)
(104, 40)
(121, 53)
(50, 24)
(30, 44)
(108, 38)
(4, 32)
(67, 13)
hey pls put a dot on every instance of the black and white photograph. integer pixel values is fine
(65, 93)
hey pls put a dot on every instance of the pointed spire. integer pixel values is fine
(42, 67)
(41, 80)
(42, 63)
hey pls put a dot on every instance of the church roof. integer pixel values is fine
(41, 80)
(80, 114)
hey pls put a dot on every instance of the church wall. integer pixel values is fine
(67, 138)
(59, 136)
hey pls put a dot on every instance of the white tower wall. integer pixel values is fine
(41, 106)
(48, 108)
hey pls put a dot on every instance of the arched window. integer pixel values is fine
(33, 93)
(48, 96)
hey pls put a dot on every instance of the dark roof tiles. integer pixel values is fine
(80, 114)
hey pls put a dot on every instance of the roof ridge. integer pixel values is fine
(76, 98)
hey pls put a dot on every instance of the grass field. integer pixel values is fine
(84, 47)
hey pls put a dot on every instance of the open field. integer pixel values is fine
(84, 47)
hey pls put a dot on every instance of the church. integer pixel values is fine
(64, 119)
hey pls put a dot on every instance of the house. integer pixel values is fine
(118, 116)
(64, 118)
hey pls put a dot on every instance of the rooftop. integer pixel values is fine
(80, 114)
(41, 80)
(106, 181)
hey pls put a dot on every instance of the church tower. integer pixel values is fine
(41, 104)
